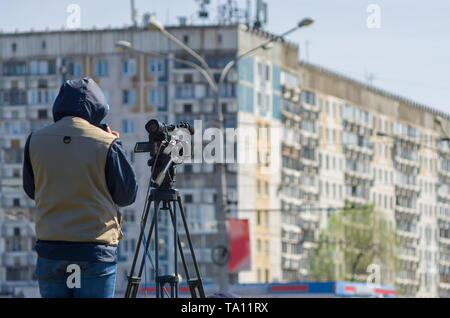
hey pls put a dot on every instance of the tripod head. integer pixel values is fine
(166, 150)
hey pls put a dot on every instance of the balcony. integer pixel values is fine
(411, 281)
(310, 107)
(356, 200)
(407, 163)
(406, 213)
(444, 175)
(408, 236)
(444, 240)
(408, 139)
(407, 286)
(358, 126)
(366, 152)
(309, 189)
(13, 182)
(314, 163)
(290, 92)
(444, 285)
(18, 259)
(309, 223)
(355, 177)
(407, 190)
(291, 109)
(409, 259)
(443, 197)
(290, 261)
(444, 262)
(290, 233)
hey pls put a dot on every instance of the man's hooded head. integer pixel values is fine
(81, 98)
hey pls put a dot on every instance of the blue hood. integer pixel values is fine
(81, 98)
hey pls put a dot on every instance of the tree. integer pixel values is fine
(355, 238)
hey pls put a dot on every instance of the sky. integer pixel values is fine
(408, 54)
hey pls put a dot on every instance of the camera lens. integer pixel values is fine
(153, 126)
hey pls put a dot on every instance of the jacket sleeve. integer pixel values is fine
(27, 172)
(120, 176)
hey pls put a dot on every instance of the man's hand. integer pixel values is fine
(115, 133)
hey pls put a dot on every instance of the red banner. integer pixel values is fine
(239, 245)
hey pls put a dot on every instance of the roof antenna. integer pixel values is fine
(369, 76)
(133, 13)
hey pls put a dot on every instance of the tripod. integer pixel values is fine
(169, 198)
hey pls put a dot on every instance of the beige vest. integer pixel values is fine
(72, 198)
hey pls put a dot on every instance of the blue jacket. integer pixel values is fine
(84, 98)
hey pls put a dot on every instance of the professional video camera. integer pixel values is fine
(166, 151)
(166, 145)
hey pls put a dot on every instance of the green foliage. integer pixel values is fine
(354, 239)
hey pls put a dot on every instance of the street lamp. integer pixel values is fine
(305, 22)
(123, 45)
(221, 204)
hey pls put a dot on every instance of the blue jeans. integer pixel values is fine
(73, 279)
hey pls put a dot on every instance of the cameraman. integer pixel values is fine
(78, 174)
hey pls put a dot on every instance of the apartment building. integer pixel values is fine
(381, 148)
(330, 140)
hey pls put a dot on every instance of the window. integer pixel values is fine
(33, 68)
(188, 198)
(14, 68)
(128, 126)
(129, 97)
(43, 67)
(185, 39)
(76, 69)
(42, 114)
(309, 97)
(187, 108)
(129, 67)
(185, 91)
(16, 173)
(129, 215)
(101, 68)
(187, 78)
(155, 67)
(156, 96)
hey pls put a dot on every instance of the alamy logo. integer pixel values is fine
(74, 279)
(74, 19)
(374, 19)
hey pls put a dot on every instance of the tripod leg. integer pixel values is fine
(155, 216)
(180, 248)
(175, 240)
(147, 245)
(188, 236)
(133, 282)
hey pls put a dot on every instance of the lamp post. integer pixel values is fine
(221, 200)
